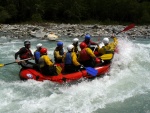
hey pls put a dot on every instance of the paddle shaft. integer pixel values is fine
(9, 63)
(16, 62)
(96, 46)
(127, 28)
(94, 49)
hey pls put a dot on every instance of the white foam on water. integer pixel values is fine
(128, 77)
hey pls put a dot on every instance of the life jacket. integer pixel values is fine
(68, 59)
(84, 56)
(88, 44)
(26, 54)
(42, 63)
(96, 53)
(61, 52)
(46, 69)
(36, 53)
(107, 51)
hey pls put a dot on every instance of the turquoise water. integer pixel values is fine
(126, 90)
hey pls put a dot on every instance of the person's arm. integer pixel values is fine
(47, 60)
(101, 50)
(16, 55)
(57, 55)
(93, 43)
(115, 40)
(90, 52)
(31, 55)
(21, 51)
(37, 55)
(114, 43)
(74, 59)
(63, 58)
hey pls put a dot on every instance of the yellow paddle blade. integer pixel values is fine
(106, 56)
(58, 69)
(1, 65)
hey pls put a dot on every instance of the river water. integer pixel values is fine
(125, 90)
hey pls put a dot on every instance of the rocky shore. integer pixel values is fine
(70, 30)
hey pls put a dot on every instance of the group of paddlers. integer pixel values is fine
(73, 60)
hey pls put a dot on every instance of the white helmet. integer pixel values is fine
(75, 40)
(105, 40)
(38, 45)
(70, 47)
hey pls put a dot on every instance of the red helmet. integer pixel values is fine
(83, 45)
(43, 51)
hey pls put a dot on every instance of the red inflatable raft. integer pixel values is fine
(26, 74)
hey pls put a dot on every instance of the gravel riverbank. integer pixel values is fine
(71, 30)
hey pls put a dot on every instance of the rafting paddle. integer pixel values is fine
(127, 28)
(91, 71)
(106, 57)
(96, 45)
(1, 65)
(58, 69)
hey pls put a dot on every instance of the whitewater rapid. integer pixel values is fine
(124, 89)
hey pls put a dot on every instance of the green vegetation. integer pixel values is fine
(75, 11)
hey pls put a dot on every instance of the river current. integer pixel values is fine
(125, 90)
